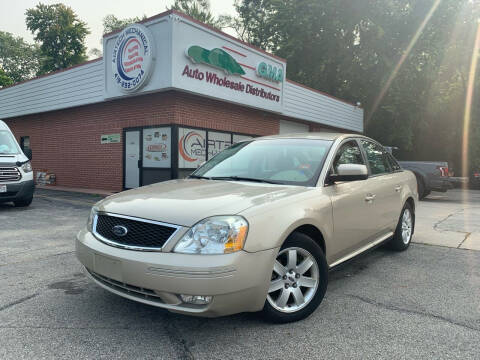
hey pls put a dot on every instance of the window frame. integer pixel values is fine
(353, 140)
(22, 142)
(370, 174)
(332, 159)
(395, 162)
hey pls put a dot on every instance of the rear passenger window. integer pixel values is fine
(393, 163)
(349, 153)
(376, 157)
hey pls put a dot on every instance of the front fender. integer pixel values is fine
(270, 224)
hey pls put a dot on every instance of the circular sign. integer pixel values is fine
(132, 58)
(192, 146)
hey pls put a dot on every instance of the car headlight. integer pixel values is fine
(27, 167)
(214, 235)
(91, 218)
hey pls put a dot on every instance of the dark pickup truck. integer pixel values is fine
(431, 175)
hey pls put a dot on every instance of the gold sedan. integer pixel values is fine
(256, 228)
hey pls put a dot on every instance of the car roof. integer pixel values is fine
(332, 136)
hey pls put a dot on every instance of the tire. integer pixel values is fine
(420, 188)
(301, 300)
(399, 242)
(23, 202)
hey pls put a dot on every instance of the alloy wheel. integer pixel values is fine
(294, 280)
(406, 226)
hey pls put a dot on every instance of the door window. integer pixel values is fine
(376, 157)
(393, 163)
(25, 142)
(349, 153)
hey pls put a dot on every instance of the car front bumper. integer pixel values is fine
(237, 282)
(18, 191)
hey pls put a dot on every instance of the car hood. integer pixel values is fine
(185, 202)
(11, 160)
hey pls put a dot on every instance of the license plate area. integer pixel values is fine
(3, 188)
(108, 267)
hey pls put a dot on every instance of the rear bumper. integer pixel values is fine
(441, 185)
(18, 191)
(237, 282)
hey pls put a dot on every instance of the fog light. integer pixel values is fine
(196, 299)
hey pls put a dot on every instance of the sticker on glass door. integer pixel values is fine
(132, 158)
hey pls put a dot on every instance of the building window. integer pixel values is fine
(25, 142)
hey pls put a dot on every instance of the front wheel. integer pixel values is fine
(23, 202)
(299, 280)
(404, 231)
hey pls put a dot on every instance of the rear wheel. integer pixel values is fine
(420, 188)
(299, 280)
(404, 231)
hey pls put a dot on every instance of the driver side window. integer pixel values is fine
(349, 153)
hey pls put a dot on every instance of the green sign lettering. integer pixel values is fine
(270, 72)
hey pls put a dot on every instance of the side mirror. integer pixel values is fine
(28, 153)
(350, 172)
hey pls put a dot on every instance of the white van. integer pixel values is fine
(16, 175)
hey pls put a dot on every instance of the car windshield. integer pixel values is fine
(278, 161)
(7, 143)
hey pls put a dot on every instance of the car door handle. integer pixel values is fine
(398, 188)
(370, 197)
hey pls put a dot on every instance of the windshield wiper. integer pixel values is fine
(240, 178)
(199, 177)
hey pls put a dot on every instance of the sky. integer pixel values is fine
(12, 13)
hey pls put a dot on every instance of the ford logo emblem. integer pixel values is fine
(120, 230)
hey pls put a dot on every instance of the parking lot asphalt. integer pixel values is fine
(422, 303)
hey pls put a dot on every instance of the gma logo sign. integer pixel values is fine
(270, 72)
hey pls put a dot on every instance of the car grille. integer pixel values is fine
(8, 174)
(132, 290)
(141, 234)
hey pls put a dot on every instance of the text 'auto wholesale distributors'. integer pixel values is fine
(214, 79)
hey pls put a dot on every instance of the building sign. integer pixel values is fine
(230, 85)
(269, 72)
(217, 58)
(110, 138)
(157, 144)
(174, 52)
(191, 148)
(217, 142)
(132, 58)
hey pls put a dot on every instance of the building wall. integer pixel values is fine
(79, 85)
(308, 104)
(67, 142)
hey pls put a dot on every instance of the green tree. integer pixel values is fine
(4, 79)
(357, 50)
(112, 23)
(201, 11)
(19, 60)
(60, 33)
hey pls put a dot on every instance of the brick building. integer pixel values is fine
(169, 94)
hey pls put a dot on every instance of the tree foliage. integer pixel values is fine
(60, 33)
(200, 10)
(19, 60)
(352, 49)
(4, 79)
(112, 23)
